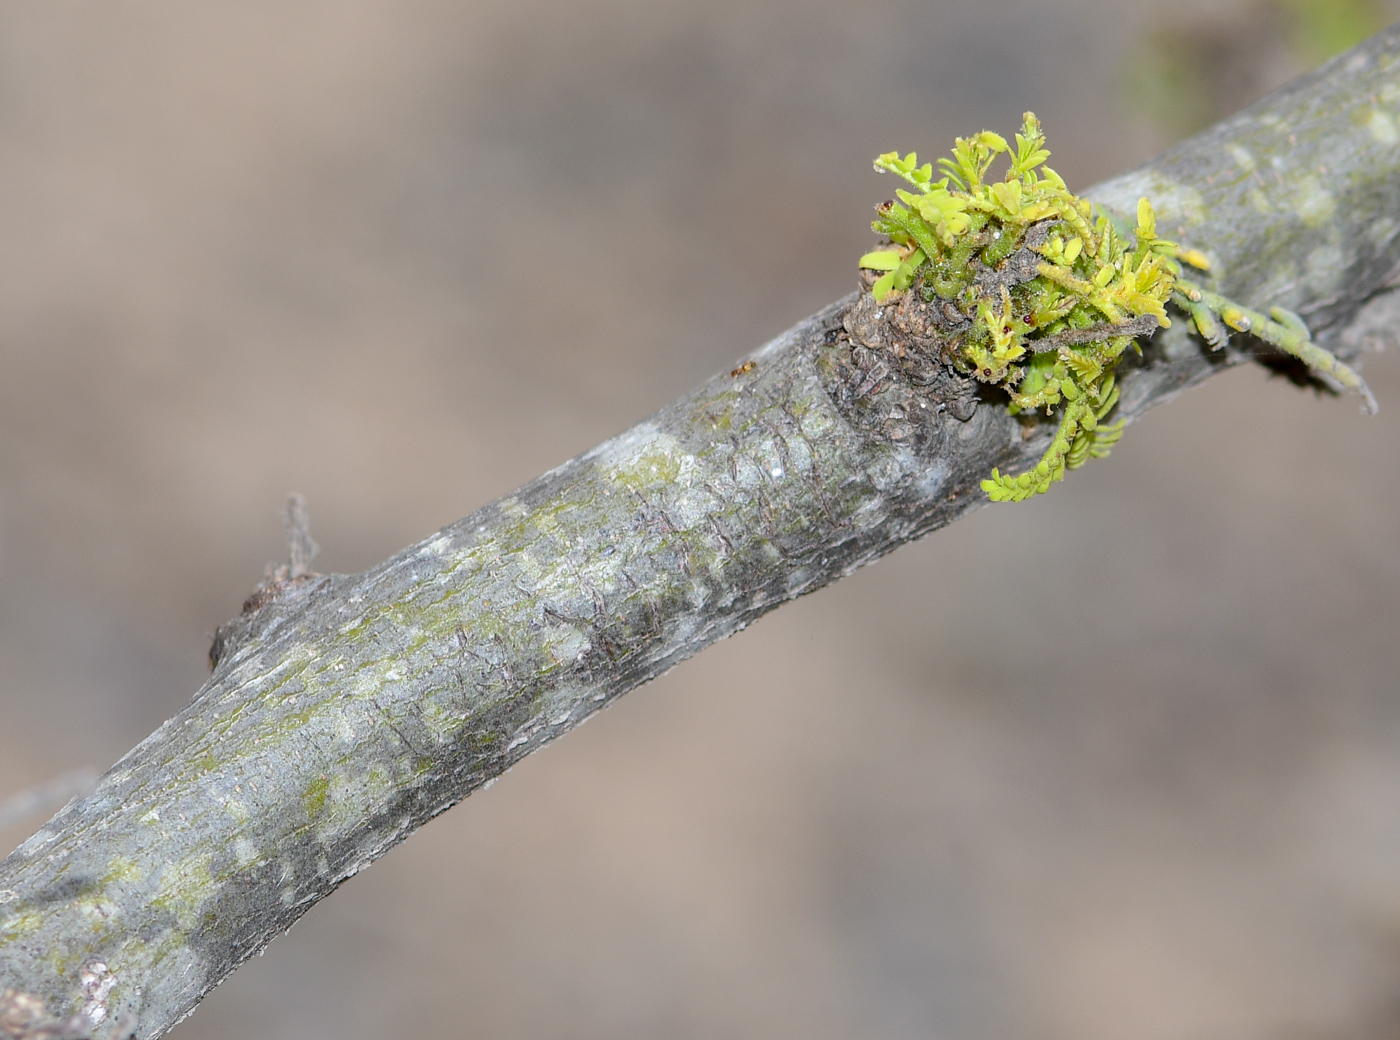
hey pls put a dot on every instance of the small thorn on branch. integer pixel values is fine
(301, 547)
(280, 580)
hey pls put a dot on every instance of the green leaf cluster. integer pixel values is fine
(1044, 293)
(1046, 336)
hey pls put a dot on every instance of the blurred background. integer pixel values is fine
(260, 247)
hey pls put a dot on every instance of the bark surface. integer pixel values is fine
(346, 710)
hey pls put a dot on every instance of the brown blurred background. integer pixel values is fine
(1121, 762)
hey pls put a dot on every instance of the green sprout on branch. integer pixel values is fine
(1039, 292)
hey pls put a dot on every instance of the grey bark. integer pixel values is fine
(346, 710)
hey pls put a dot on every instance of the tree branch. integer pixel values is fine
(344, 711)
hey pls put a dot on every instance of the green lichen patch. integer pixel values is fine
(656, 464)
(17, 926)
(1313, 203)
(122, 870)
(313, 799)
(185, 886)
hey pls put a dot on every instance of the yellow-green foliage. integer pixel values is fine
(1059, 294)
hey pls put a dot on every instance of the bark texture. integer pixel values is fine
(346, 710)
